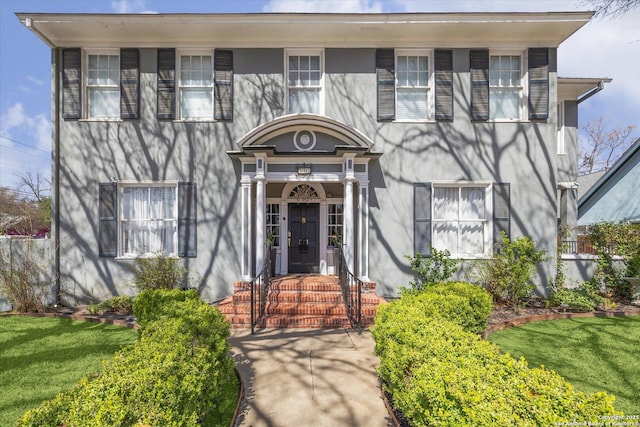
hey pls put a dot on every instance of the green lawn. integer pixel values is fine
(593, 354)
(40, 357)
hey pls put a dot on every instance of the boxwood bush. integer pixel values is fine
(440, 374)
(463, 303)
(178, 373)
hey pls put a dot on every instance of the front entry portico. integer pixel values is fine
(304, 188)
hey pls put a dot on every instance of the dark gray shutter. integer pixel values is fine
(223, 81)
(386, 83)
(479, 70)
(166, 95)
(129, 83)
(187, 219)
(108, 215)
(501, 210)
(538, 84)
(444, 84)
(422, 218)
(71, 83)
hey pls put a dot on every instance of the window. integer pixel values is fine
(304, 82)
(560, 125)
(273, 223)
(103, 86)
(462, 219)
(505, 87)
(148, 220)
(196, 87)
(334, 224)
(140, 219)
(414, 84)
(412, 87)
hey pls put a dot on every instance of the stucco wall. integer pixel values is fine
(521, 153)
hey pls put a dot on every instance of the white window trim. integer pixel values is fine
(304, 52)
(120, 241)
(85, 83)
(488, 221)
(562, 149)
(178, 95)
(337, 225)
(524, 88)
(430, 89)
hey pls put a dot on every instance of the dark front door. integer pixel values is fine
(303, 237)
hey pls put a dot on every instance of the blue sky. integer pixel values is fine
(603, 48)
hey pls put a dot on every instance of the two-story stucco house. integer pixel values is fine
(202, 136)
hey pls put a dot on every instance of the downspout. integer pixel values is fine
(55, 173)
(591, 93)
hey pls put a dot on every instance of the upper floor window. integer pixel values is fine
(196, 87)
(505, 87)
(412, 86)
(304, 82)
(103, 86)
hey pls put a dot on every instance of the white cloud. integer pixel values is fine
(28, 145)
(324, 6)
(130, 6)
(34, 80)
(14, 121)
(608, 48)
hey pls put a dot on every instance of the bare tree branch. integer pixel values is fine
(601, 145)
(611, 8)
(38, 185)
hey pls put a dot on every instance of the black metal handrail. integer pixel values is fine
(260, 288)
(351, 292)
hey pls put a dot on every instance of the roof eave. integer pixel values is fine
(238, 30)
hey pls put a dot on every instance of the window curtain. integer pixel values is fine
(148, 224)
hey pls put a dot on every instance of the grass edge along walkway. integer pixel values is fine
(593, 354)
(43, 356)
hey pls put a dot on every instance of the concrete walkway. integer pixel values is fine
(308, 377)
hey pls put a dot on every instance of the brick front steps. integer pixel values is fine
(299, 301)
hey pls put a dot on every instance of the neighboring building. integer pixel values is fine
(203, 135)
(615, 196)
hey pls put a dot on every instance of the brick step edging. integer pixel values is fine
(553, 316)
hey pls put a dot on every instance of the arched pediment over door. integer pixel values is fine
(300, 134)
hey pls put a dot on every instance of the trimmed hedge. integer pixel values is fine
(440, 374)
(178, 373)
(463, 303)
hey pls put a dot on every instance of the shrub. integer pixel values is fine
(430, 269)
(158, 272)
(621, 239)
(508, 275)
(577, 299)
(22, 278)
(117, 304)
(177, 373)
(440, 374)
(465, 304)
(152, 305)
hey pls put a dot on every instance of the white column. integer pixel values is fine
(245, 188)
(348, 223)
(261, 209)
(363, 231)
